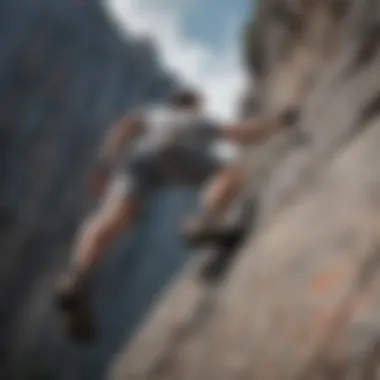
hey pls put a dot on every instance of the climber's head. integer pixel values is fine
(185, 98)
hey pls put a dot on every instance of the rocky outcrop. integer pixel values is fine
(301, 300)
(65, 76)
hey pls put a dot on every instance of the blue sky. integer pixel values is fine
(206, 20)
(199, 40)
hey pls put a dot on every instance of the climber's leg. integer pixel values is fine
(222, 189)
(223, 184)
(117, 211)
(217, 196)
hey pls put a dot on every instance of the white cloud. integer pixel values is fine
(219, 76)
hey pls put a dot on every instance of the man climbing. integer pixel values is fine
(172, 144)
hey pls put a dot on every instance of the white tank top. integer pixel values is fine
(166, 127)
(184, 131)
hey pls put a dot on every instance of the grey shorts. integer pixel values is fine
(144, 173)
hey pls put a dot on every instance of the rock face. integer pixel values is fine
(301, 301)
(65, 76)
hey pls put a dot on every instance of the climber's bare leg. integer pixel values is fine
(222, 189)
(100, 230)
(218, 194)
(94, 237)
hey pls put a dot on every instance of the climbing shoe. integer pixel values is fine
(71, 301)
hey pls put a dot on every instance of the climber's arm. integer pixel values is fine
(259, 128)
(112, 148)
(251, 131)
(114, 143)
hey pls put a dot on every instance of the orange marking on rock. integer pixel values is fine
(329, 279)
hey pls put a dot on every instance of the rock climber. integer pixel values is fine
(174, 143)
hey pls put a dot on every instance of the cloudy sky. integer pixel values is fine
(199, 39)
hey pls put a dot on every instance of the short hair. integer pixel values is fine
(185, 97)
